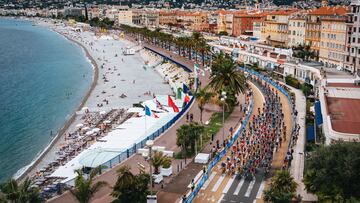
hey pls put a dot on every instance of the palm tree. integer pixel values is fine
(159, 159)
(282, 188)
(187, 135)
(84, 188)
(225, 75)
(202, 97)
(19, 193)
(129, 187)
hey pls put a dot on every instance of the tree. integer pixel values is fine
(187, 135)
(19, 193)
(202, 97)
(225, 75)
(84, 188)
(130, 187)
(304, 52)
(282, 188)
(159, 159)
(333, 172)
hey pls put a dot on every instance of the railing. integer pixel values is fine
(220, 155)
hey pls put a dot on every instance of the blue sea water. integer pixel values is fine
(43, 78)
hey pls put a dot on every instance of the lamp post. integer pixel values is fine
(150, 198)
(223, 99)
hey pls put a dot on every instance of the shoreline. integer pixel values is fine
(71, 120)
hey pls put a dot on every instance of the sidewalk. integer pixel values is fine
(297, 165)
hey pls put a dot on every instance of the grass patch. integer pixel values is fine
(213, 127)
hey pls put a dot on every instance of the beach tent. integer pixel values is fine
(97, 157)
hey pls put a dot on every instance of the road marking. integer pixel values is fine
(237, 190)
(261, 188)
(228, 185)
(251, 186)
(218, 183)
(221, 198)
(207, 182)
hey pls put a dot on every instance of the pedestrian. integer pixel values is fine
(187, 117)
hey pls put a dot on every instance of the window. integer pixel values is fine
(354, 29)
(353, 40)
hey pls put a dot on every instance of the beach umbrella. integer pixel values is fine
(96, 157)
(102, 112)
(96, 130)
(80, 125)
(107, 122)
(89, 133)
(85, 128)
(85, 108)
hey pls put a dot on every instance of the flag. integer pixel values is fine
(185, 89)
(148, 112)
(186, 98)
(159, 105)
(172, 104)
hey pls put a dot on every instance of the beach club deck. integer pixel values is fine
(121, 142)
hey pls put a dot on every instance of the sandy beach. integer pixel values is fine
(119, 81)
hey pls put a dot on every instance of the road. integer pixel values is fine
(224, 188)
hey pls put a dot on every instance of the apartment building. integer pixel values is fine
(167, 17)
(243, 22)
(194, 21)
(276, 27)
(124, 16)
(333, 41)
(297, 22)
(313, 24)
(352, 62)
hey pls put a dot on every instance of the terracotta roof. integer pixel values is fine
(335, 10)
(283, 12)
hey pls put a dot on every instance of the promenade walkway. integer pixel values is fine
(167, 139)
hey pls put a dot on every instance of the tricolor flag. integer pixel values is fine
(148, 112)
(186, 99)
(159, 105)
(185, 89)
(172, 104)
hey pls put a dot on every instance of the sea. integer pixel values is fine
(43, 78)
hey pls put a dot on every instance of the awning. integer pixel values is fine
(310, 133)
(96, 157)
(318, 115)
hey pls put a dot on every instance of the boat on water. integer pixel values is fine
(129, 51)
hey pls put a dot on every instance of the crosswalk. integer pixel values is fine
(224, 189)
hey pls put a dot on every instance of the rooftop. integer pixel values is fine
(344, 114)
(334, 10)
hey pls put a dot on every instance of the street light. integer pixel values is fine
(150, 198)
(223, 99)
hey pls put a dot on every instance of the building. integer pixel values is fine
(193, 21)
(297, 23)
(332, 51)
(73, 12)
(352, 62)
(276, 27)
(167, 17)
(313, 24)
(243, 22)
(124, 17)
